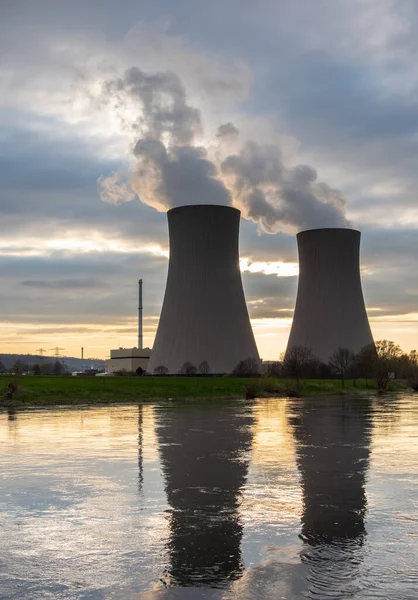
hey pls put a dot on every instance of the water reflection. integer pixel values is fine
(140, 450)
(11, 414)
(204, 456)
(332, 453)
(75, 526)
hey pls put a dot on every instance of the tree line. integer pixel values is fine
(45, 368)
(384, 360)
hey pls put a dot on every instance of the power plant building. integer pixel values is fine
(204, 315)
(330, 310)
(131, 360)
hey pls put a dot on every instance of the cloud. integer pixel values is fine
(220, 81)
(227, 130)
(63, 284)
(331, 85)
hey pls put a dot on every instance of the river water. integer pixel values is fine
(277, 498)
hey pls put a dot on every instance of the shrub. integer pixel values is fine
(204, 368)
(188, 369)
(250, 367)
(161, 370)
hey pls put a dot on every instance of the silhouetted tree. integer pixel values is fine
(388, 354)
(47, 368)
(58, 368)
(36, 369)
(323, 371)
(275, 369)
(188, 369)
(413, 365)
(250, 367)
(161, 370)
(2, 368)
(204, 368)
(296, 359)
(17, 367)
(365, 362)
(340, 362)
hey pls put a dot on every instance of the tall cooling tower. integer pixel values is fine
(204, 315)
(330, 310)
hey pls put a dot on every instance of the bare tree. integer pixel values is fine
(188, 369)
(388, 355)
(58, 368)
(296, 359)
(250, 367)
(204, 368)
(365, 362)
(275, 369)
(161, 370)
(340, 361)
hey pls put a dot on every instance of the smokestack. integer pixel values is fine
(204, 315)
(330, 310)
(140, 334)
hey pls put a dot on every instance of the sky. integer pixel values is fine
(301, 114)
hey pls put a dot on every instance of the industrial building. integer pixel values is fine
(132, 360)
(330, 310)
(204, 315)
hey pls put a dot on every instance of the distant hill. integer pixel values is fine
(70, 363)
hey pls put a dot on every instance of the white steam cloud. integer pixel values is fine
(173, 169)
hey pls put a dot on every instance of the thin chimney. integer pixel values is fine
(140, 334)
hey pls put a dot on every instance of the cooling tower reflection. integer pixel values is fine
(332, 449)
(204, 456)
(332, 453)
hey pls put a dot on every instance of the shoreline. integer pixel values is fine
(60, 391)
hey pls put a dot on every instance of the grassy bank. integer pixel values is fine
(50, 390)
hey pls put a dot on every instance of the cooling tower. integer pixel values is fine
(330, 310)
(204, 315)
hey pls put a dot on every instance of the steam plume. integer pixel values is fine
(172, 169)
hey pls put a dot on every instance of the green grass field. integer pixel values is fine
(60, 390)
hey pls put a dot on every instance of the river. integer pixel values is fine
(270, 499)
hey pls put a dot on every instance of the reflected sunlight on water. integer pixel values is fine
(270, 499)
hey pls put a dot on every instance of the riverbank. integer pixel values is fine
(60, 390)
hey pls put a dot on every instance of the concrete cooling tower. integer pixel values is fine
(204, 315)
(330, 310)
